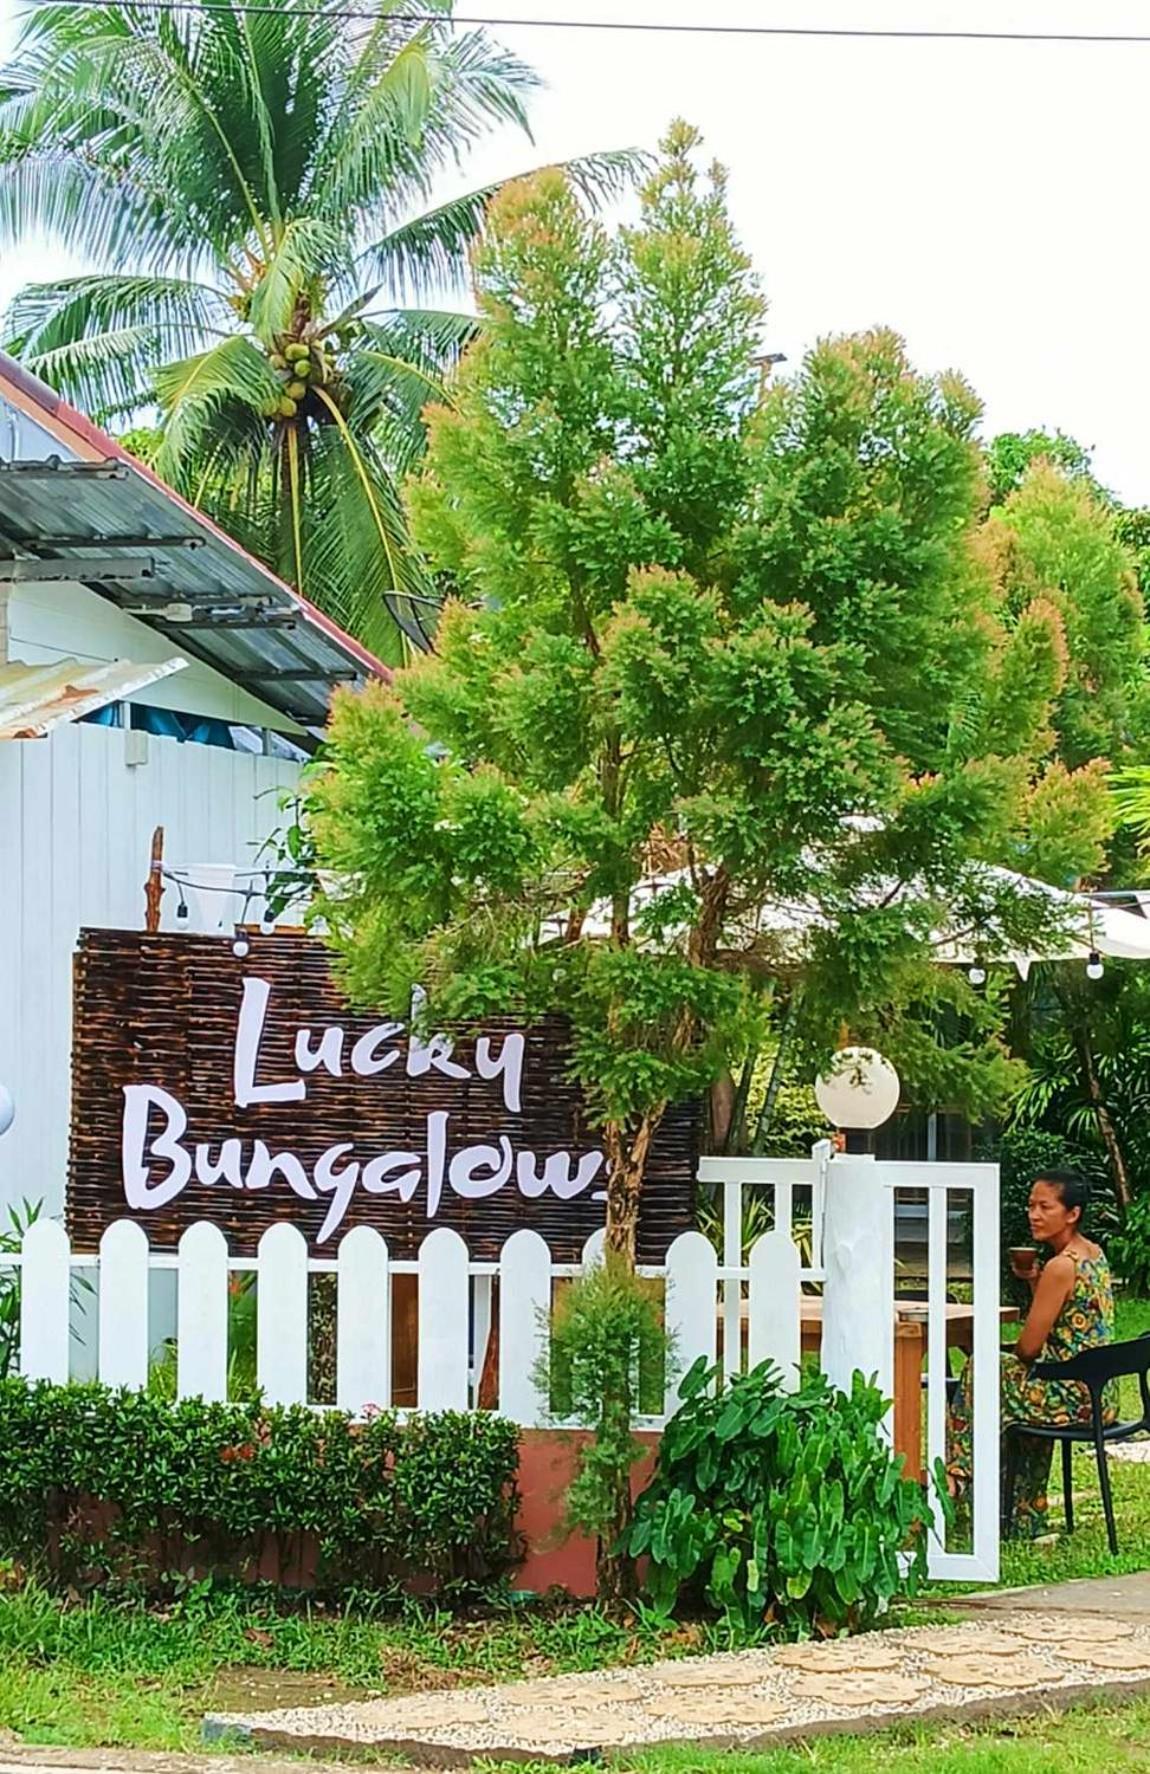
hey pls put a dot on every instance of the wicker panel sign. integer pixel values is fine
(244, 1091)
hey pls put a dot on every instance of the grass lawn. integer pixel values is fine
(123, 1675)
(1085, 1553)
(1090, 1738)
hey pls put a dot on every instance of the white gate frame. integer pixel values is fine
(875, 1184)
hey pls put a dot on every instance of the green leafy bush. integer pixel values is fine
(125, 1484)
(780, 1508)
(605, 1364)
(1130, 1248)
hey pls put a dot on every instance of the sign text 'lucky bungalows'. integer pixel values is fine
(245, 1092)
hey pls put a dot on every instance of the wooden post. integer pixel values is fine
(154, 885)
(909, 1343)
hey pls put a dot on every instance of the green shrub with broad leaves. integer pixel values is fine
(783, 1509)
(1129, 1249)
(117, 1486)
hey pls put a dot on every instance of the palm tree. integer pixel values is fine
(250, 182)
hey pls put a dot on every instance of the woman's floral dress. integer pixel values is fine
(1085, 1321)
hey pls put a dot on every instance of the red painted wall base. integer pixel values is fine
(546, 1467)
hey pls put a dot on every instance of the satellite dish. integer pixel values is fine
(7, 1109)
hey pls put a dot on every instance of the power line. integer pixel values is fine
(660, 27)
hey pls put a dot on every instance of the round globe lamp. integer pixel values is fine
(857, 1094)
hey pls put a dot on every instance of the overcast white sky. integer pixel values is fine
(988, 200)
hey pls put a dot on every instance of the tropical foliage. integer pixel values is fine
(779, 1507)
(250, 186)
(709, 657)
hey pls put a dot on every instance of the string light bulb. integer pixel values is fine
(1094, 967)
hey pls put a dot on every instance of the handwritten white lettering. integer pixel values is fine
(371, 1053)
(139, 1190)
(466, 1164)
(253, 1009)
(329, 1052)
(508, 1065)
(157, 1165)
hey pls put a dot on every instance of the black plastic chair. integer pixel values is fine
(1094, 1369)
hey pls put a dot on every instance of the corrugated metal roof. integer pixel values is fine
(36, 698)
(239, 618)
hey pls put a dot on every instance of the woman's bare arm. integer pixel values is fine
(1051, 1294)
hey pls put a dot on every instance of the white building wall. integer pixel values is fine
(76, 823)
(66, 621)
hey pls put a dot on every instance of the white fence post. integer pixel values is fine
(776, 1306)
(45, 1292)
(281, 1315)
(936, 1355)
(524, 1312)
(858, 1294)
(690, 1309)
(123, 1316)
(363, 1322)
(594, 1249)
(443, 1322)
(986, 1236)
(732, 1287)
(202, 1314)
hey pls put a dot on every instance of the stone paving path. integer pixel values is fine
(1114, 1598)
(1017, 1661)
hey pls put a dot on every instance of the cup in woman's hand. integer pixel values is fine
(1023, 1260)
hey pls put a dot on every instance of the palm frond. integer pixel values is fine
(306, 248)
(108, 376)
(377, 140)
(606, 177)
(429, 253)
(357, 543)
(481, 83)
(433, 337)
(192, 393)
(95, 215)
(401, 363)
(180, 312)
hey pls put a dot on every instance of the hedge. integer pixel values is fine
(123, 1485)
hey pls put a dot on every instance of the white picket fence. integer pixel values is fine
(456, 1299)
(741, 1310)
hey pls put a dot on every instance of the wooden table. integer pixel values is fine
(909, 1361)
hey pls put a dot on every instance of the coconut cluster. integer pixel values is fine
(300, 368)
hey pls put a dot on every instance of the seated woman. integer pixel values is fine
(1072, 1308)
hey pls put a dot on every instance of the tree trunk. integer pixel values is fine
(615, 1579)
(627, 1160)
(1114, 1153)
(627, 1157)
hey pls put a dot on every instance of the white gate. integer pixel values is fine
(853, 1272)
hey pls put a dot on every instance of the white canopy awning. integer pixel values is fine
(1080, 924)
